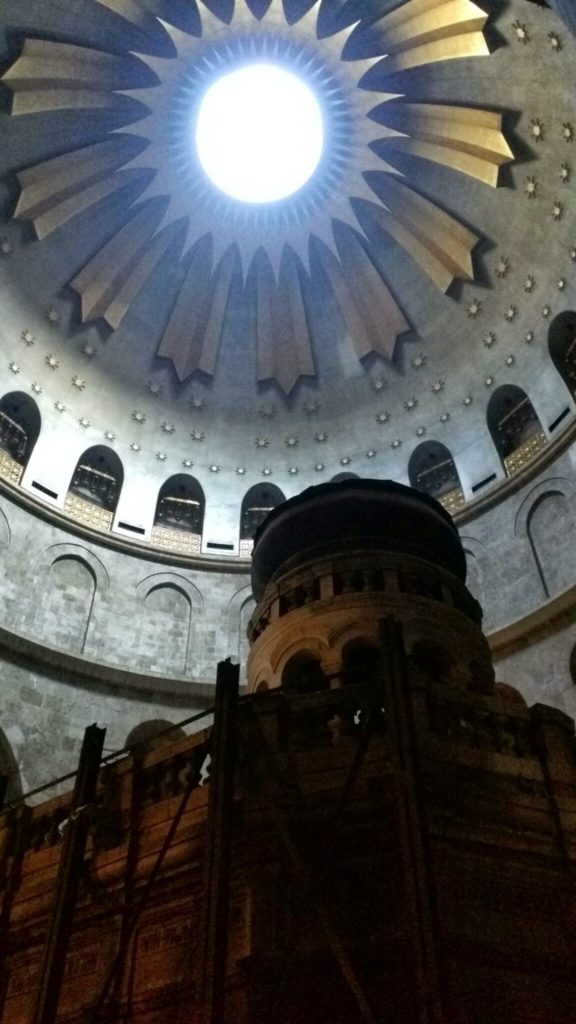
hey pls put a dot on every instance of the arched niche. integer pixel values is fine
(20, 423)
(562, 347)
(71, 590)
(257, 503)
(432, 470)
(551, 530)
(341, 478)
(11, 787)
(69, 578)
(515, 428)
(98, 477)
(240, 610)
(181, 505)
(168, 607)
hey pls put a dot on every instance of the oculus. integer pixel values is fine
(335, 228)
(259, 133)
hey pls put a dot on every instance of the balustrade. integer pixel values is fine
(95, 485)
(13, 438)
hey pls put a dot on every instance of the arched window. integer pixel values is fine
(19, 429)
(303, 674)
(98, 477)
(562, 347)
(179, 518)
(258, 502)
(515, 428)
(432, 469)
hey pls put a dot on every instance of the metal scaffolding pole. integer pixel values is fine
(68, 880)
(404, 755)
(218, 842)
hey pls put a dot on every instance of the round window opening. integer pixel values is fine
(259, 133)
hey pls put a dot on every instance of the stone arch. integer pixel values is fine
(98, 477)
(562, 347)
(71, 577)
(240, 610)
(152, 735)
(5, 531)
(95, 565)
(432, 469)
(314, 645)
(10, 772)
(514, 426)
(257, 503)
(158, 579)
(169, 605)
(341, 638)
(303, 673)
(20, 424)
(474, 551)
(547, 520)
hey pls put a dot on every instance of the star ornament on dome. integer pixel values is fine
(368, 129)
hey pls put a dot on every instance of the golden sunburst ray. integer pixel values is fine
(284, 346)
(424, 31)
(61, 76)
(357, 183)
(466, 140)
(131, 11)
(191, 336)
(54, 191)
(373, 316)
(439, 243)
(119, 267)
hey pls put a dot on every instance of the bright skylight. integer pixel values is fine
(259, 133)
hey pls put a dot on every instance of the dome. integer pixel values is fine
(177, 362)
(404, 282)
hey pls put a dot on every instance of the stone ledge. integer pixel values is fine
(23, 650)
(531, 628)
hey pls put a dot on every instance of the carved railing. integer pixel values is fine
(483, 728)
(337, 580)
(13, 438)
(95, 485)
(162, 774)
(180, 513)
